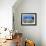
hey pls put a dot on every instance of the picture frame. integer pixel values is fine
(29, 19)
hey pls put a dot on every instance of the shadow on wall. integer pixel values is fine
(37, 41)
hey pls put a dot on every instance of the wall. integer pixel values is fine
(6, 13)
(29, 32)
(43, 22)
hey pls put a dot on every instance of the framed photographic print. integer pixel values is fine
(29, 19)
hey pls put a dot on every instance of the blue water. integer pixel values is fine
(28, 17)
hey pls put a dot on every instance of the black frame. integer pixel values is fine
(29, 24)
